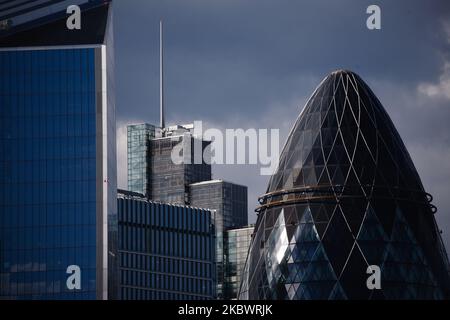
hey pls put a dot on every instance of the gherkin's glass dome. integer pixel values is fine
(345, 196)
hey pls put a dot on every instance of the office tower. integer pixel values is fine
(57, 154)
(169, 181)
(18, 15)
(229, 201)
(236, 244)
(152, 170)
(346, 196)
(166, 251)
(170, 164)
(138, 147)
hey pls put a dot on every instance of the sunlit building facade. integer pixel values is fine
(346, 196)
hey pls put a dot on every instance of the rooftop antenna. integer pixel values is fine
(161, 77)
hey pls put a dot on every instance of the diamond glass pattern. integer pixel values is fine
(346, 195)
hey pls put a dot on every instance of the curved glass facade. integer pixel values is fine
(345, 196)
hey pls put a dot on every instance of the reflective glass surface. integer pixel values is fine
(138, 142)
(236, 244)
(229, 202)
(47, 173)
(169, 182)
(166, 251)
(346, 195)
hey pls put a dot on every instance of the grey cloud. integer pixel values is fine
(254, 64)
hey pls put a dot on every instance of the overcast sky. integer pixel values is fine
(254, 63)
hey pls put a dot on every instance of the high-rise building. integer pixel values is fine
(229, 202)
(166, 251)
(169, 180)
(138, 153)
(18, 15)
(171, 164)
(57, 153)
(228, 199)
(345, 201)
(236, 244)
(151, 169)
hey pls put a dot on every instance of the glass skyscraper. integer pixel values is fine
(153, 173)
(166, 251)
(346, 196)
(58, 156)
(236, 244)
(169, 181)
(151, 170)
(138, 148)
(229, 202)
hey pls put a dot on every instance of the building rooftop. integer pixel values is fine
(250, 226)
(45, 24)
(215, 181)
(125, 194)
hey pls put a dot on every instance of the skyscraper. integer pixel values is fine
(168, 164)
(229, 202)
(228, 199)
(138, 153)
(346, 196)
(166, 251)
(236, 244)
(57, 153)
(169, 181)
(152, 170)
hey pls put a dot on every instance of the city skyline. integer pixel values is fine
(270, 65)
(108, 189)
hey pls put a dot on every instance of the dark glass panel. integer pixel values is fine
(337, 241)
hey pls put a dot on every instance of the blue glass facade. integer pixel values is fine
(47, 172)
(38, 146)
(47, 176)
(166, 251)
(58, 219)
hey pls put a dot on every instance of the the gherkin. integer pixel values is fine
(345, 196)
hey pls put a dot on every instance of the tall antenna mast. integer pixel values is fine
(161, 77)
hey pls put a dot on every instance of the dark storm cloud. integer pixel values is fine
(254, 64)
(229, 54)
